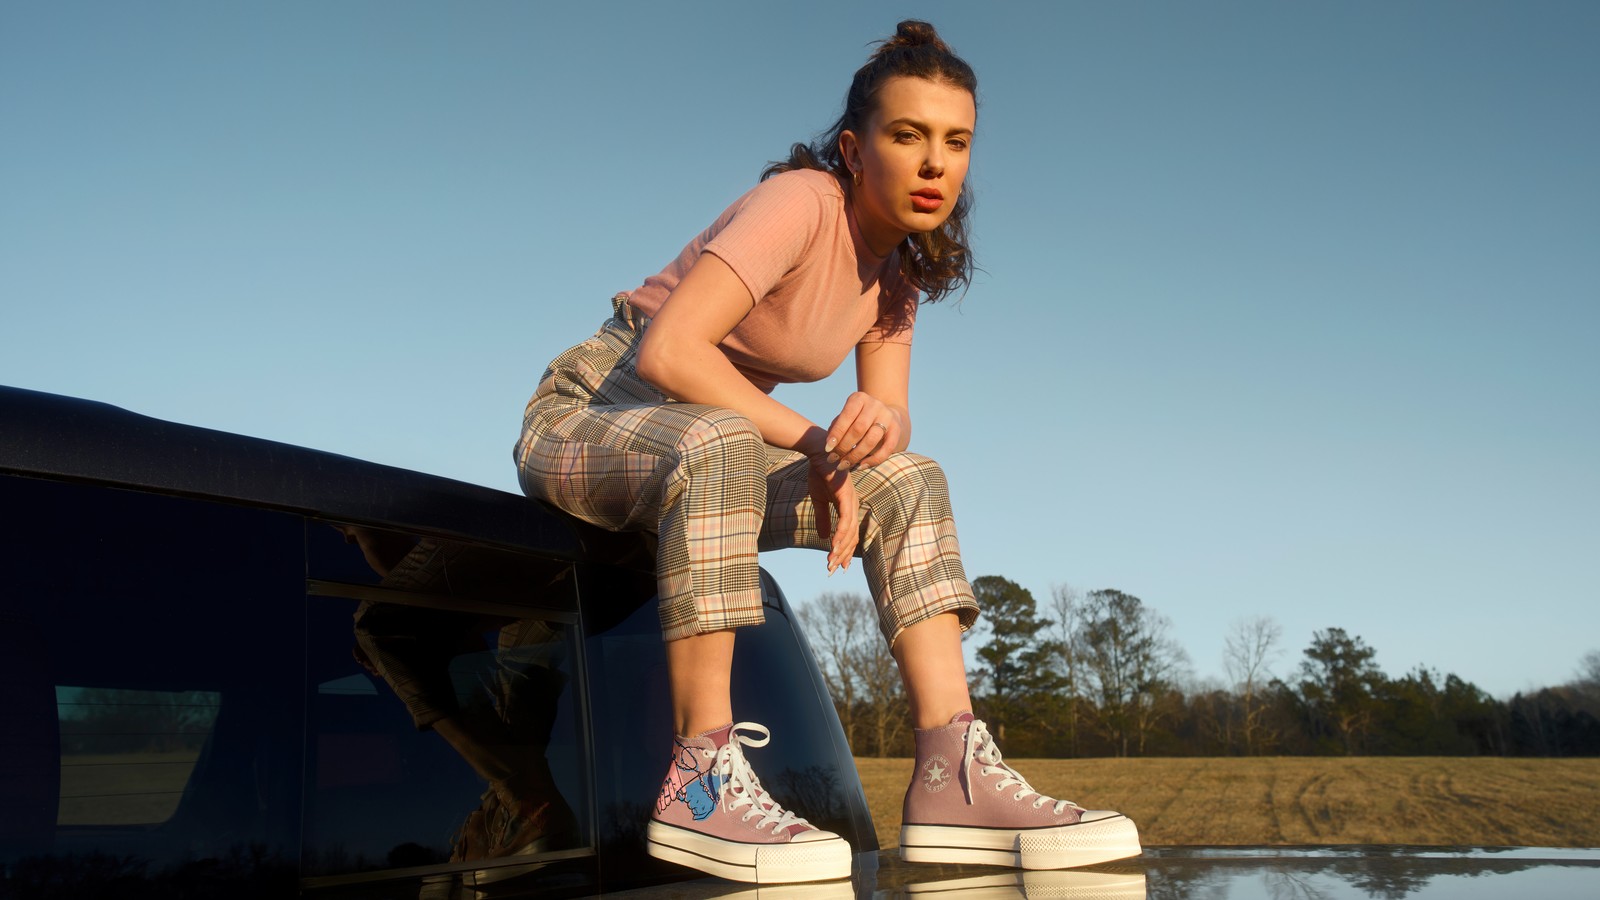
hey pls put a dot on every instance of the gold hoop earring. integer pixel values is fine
(856, 176)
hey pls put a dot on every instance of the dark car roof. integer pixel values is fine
(52, 436)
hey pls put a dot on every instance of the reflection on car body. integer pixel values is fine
(240, 668)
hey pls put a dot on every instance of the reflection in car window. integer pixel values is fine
(128, 755)
(251, 697)
(151, 658)
(443, 696)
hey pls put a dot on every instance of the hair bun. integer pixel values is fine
(914, 33)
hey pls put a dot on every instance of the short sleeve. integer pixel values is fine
(772, 230)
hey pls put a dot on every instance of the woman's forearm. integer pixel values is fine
(693, 371)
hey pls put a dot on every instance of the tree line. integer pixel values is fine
(1099, 674)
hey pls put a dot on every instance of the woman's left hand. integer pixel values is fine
(832, 491)
(865, 433)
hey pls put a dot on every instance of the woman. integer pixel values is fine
(664, 422)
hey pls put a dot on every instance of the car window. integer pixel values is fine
(151, 658)
(443, 713)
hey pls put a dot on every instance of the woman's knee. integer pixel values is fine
(914, 475)
(716, 431)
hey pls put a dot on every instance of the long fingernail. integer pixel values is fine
(828, 447)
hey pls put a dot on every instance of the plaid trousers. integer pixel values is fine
(604, 445)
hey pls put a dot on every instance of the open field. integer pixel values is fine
(123, 788)
(1309, 800)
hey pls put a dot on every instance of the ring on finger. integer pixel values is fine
(878, 425)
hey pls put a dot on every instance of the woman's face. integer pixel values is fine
(912, 157)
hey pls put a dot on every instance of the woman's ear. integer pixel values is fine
(850, 151)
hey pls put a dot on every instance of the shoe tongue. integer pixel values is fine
(965, 717)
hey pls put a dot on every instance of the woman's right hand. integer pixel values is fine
(831, 489)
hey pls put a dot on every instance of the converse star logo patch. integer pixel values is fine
(936, 773)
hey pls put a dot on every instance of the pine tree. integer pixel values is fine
(1015, 668)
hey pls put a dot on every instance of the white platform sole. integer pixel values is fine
(820, 860)
(1061, 847)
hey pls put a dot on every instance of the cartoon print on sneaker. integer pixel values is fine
(702, 799)
(688, 783)
(936, 773)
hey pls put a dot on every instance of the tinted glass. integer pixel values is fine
(444, 726)
(151, 657)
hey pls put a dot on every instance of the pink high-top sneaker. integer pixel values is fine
(965, 805)
(714, 815)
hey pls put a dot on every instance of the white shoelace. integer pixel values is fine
(981, 746)
(741, 787)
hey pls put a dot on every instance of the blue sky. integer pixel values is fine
(1287, 309)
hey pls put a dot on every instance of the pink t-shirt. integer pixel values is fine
(818, 290)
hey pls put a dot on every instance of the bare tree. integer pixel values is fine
(1066, 605)
(833, 623)
(1589, 669)
(1587, 684)
(1131, 666)
(1248, 651)
(883, 692)
(860, 672)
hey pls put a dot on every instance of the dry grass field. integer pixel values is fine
(1309, 800)
(123, 788)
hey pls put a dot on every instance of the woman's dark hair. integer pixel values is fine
(939, 261)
